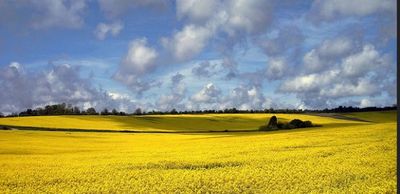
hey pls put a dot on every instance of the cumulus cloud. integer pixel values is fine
(208, 94)
(176, 79)
(140, 58)
(288, 37)
(23, 89)
(50, 13)
(276, 68)
(283, 50)
(249, 16)
(176, 95)
(205, 69)
(309, 83)
(195, 10)
(363, 87)
(365, 102)
(312, 61)
(327, 53)
(320, 65)
(332, 9)
(354, 75)
(136, 83)
(246, 98)
(206, 19)
(103, 29)
(114, 8)
(188, 42)
(335, 47)
(43, 14)
(366, 60)
(231, 19)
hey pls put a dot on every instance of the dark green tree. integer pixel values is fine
(91, 111)
(138, 111)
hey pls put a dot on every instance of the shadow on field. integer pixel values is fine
(216, 133)
(256, 132)
(180, 123)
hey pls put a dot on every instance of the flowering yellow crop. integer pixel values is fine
(340, 157)
(174, 123)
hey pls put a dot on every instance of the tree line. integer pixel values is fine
(68, 109)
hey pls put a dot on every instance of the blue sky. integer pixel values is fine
(192, 54)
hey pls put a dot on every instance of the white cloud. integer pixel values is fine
(208, 94)
(208, 18)
(60, 83)
(312, 62)
(246, 98)
(103, 29)
(353, 76)
(114, 8)
(335, 47)
(176, 94)
(288, 38)
(135, 82)
(196, 10)
(327, 53)
(188, 42)
(250, 16)
(374, 102)
(362, 87)
(117, 96)
(206, 69)
(362, 62)
(332, 9)
(58, 13)
(307, 83)
(135, 66)
(140, 58)
(276, 68)
(233, 17)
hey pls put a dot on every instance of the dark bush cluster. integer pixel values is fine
(297, 123)
(273, 124)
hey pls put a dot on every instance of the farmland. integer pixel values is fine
(163, 123)
(341, 156)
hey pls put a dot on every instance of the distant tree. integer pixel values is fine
(60, 109)
(69, 109)
(1, 114)
(39, 111)
(138, 111)
(76, 110)
(91, 111)
(105, 112)
(173, 111)
(114, 111)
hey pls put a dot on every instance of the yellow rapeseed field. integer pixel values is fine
(171, 123)
(342, 156)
